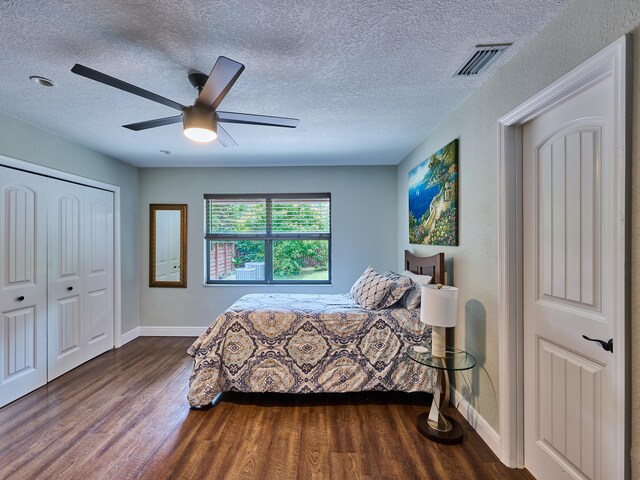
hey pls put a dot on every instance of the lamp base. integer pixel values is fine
(438, 341)
(452, 436)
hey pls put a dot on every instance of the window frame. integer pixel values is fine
(267, 238)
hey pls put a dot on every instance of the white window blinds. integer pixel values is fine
(274, 216)
(241, 216)
(309, 215)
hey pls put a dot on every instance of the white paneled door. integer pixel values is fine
(98, 272)
(23, 284)
(80, 257)
(569, 226)
(66, 301)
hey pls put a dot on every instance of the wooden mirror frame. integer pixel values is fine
(153, 208)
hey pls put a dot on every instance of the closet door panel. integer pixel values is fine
(23, 284)
(56, 278)
(66, 303)
(98, 275)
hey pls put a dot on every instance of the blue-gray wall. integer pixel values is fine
(364, 222)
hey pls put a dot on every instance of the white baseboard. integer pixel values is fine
(130, 335)
(171, 331)
(477, 422)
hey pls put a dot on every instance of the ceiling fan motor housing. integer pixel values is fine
(199, 117)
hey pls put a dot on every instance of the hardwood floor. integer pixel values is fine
(124, 415)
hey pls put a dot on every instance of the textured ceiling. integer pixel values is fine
(368, 79)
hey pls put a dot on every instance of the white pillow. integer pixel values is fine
(411, 299)
(370, 288)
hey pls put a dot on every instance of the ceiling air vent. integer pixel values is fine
(479, 59)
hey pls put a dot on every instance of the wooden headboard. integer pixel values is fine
(433, 265)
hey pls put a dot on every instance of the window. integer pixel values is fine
(268, 238)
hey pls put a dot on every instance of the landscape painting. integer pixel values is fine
(433, 199)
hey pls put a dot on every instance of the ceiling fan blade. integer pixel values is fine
(250, 119)
(222, 77)
(224, 138)
(127, 87)
(158, 122)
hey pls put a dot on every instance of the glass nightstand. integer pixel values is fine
(435, 425)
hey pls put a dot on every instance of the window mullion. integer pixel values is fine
(268, 261)
(269, 215)
(268, 245)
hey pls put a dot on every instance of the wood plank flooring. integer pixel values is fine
(124, 415)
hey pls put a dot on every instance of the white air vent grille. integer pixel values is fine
(479, 59)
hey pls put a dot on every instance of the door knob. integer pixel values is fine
(20, 298)
(69, 288)
(608, 346)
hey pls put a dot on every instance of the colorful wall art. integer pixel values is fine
(433, 199)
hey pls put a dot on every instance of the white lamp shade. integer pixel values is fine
(439, 306)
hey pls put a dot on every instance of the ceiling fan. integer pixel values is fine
(201, 121)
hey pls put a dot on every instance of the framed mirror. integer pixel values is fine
(168, 245)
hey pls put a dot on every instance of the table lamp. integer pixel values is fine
(439, 308)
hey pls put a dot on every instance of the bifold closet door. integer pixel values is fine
(23, 283)
(98, 272)
(80, 271)
(66, 285)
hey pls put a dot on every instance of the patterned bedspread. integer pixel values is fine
(307, 343)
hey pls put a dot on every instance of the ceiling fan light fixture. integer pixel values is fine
(202, 135)
(199, 124)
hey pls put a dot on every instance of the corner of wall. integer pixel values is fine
(129, 336)
(477, 422)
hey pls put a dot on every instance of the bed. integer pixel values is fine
(307, 343)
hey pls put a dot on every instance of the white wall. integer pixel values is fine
(577, 33)
(22, 141)
(363, 204)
